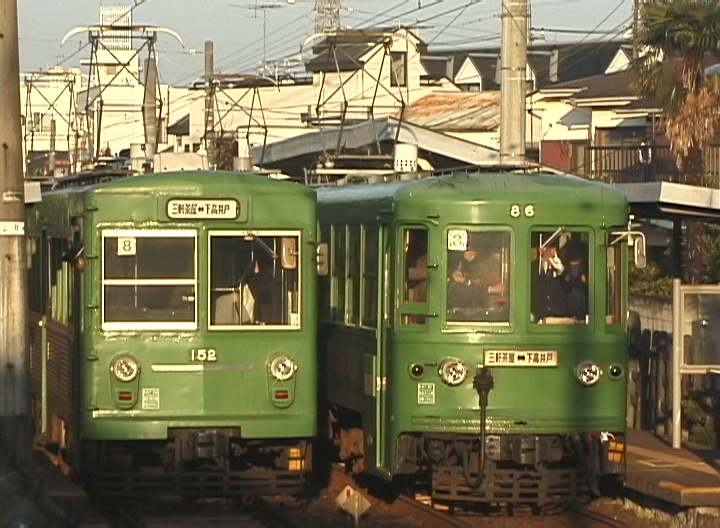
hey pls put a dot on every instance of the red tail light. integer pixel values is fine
(282, 394)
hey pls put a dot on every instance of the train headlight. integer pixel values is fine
(453, 372)
(125, 368)
(282, 368)
(588, 373)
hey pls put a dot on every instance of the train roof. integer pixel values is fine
(190, 183)
(475, 186)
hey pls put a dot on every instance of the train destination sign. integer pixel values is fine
(521, 358)
(196, 209)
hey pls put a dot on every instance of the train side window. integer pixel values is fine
(614, 299)
(415, 267)
(560, 277)
(35, 275)
(370, 276)
(415, 264)
(353, 282)
(249, 286)
(60, 282)
(478, 276)
(324, 280)
(338, 272)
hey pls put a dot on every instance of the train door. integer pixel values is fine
(77, 351)
(384, 322)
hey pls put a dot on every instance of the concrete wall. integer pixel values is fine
(655, 312)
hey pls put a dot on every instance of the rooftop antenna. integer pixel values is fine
(264, 8)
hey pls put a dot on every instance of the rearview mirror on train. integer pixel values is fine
(288, 253)
(636, 242)
(639, 254)
(322, 259)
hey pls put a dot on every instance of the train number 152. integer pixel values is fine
(203, 354)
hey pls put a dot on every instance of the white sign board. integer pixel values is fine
(197, 209)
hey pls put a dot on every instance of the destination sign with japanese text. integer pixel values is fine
(521, 358)
(198, 209)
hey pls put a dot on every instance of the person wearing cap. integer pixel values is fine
(75, 256)
(474, 279)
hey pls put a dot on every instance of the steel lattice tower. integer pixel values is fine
(327, 16)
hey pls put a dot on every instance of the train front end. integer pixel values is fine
(505, 378)
(196, 370)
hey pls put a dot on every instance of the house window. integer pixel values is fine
(398, 75)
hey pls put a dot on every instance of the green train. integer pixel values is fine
(173, 331)
(473, 333)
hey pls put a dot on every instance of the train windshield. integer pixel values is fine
(560, 275)
(478, 276)
(149, 279)
(254, 279)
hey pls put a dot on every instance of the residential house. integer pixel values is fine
(351, 77)
(478, 69)
(599, 127)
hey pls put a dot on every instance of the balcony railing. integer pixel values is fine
(638, 164)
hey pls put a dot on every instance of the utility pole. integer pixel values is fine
(513, 59)
(14, 362)
(210, 144)
(637, 8)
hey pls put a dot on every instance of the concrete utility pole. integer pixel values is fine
(14, 362)
(513, 59)
(210, 103)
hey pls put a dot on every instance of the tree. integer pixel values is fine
(679, 39)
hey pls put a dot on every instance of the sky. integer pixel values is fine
(248, 33)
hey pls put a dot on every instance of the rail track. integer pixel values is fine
(322, 511)
(418, 512)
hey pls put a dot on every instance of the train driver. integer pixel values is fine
(474, 279)
(75, 256)
(234, 308)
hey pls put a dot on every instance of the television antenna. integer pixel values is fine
(264, 8)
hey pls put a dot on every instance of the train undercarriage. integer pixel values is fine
(513, 469)
(191, 462)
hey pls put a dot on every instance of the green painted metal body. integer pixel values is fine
(369, 367)
(232, 392)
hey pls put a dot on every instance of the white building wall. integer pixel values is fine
(283, 107)
(560, 121)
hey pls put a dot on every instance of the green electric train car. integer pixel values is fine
(473, 333)
(173, 331)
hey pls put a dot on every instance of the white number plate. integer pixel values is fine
(521, 358)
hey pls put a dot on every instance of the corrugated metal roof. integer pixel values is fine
(456, 111)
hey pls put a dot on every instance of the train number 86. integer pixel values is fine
(516, 210)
